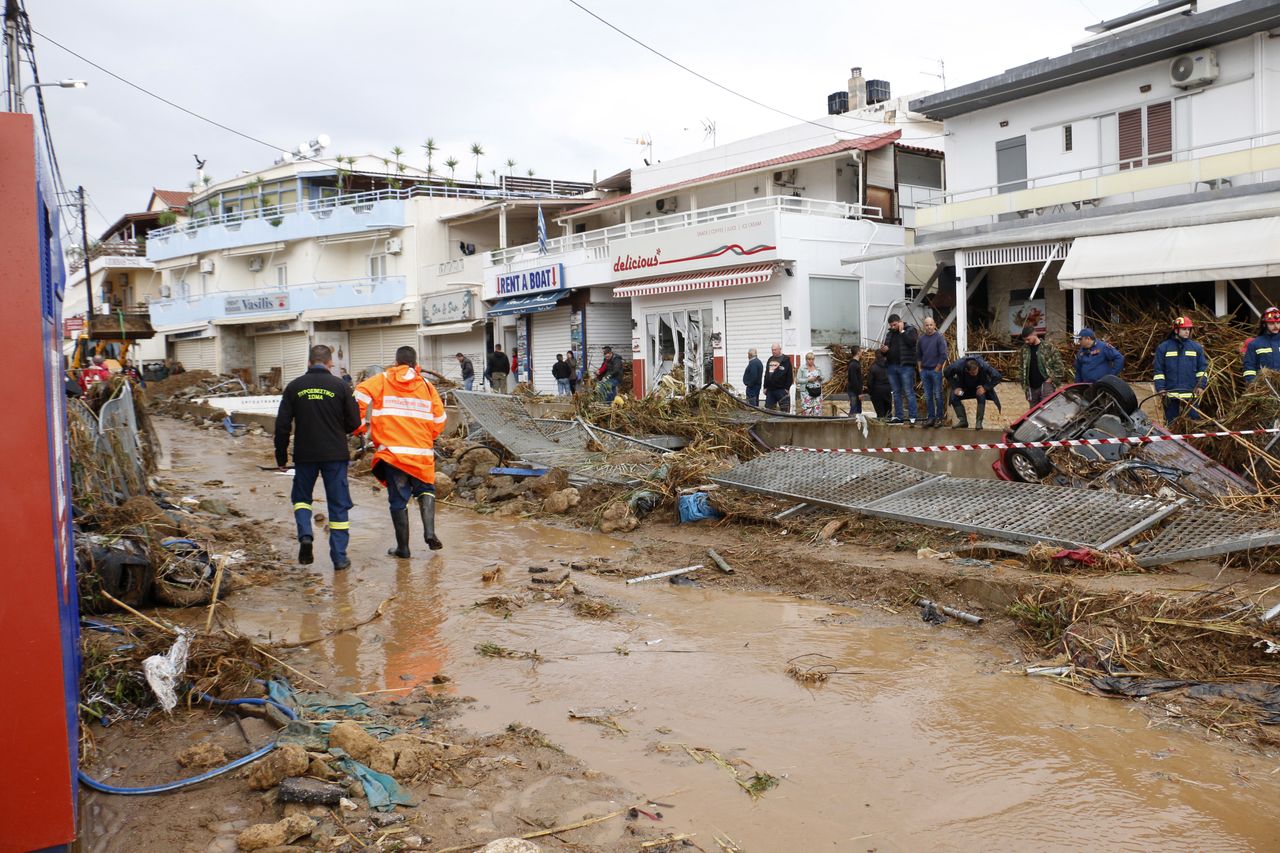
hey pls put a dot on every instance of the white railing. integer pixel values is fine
(1224, 146)
(599, 239)
(324, 206)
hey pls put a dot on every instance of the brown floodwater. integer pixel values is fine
(934, 740)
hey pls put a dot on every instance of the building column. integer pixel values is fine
(1077, 310)
(962, 305)
(502, 227)
(1220, 298)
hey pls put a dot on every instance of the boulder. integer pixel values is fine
(310, 792)
(213, 506)
(555, 480)
(476, 462)
(444, 485)
(617, 517)
(353, 739)
(203, 755)
(560, 502)
(281, 763)
(278, 834)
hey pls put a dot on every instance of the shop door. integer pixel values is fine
(278, 359)
(678, 345)
(550, 336)
(749, 323)
(198, 354)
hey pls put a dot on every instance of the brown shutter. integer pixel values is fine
(1130, 139)
(1160, 133)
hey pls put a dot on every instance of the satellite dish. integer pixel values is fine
(322, 141)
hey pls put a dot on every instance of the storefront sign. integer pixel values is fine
(71, 326)
(256, 304)
(539, 280)
(447, 307)
(726, 243)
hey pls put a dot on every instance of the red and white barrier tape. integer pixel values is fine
(1011, 445)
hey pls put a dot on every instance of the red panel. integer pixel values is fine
(717, 368)
(38, 810)
(637, 377)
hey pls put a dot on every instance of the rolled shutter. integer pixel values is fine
(1130, 124)
(1160, 133)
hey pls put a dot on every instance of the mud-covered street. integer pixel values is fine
(924, 736)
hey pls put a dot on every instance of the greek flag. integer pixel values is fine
(542, 233)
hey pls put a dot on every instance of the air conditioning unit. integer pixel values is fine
(666, 205)
(394, 245)
(165, 291)
(206, 266)
(1194, 69)
(786, 178)
(255, 264)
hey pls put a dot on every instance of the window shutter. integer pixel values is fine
(1130, 125)
(1160, 133)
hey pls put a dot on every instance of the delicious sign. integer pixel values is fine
(539, 280)
(726, 243)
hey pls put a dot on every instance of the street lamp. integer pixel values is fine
(61, 84)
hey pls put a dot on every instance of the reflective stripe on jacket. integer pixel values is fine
(405, 416)
(1180, 368)
(1263, 352)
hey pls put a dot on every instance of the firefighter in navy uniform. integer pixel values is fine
(1263, 352)
(1181, 372)
(321, 411)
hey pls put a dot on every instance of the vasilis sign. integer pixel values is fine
(539, 280)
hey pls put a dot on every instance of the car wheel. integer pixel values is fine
(1026, 466)
(1116, 389)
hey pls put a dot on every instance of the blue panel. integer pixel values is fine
(528, 304)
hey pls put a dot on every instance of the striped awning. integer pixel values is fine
(750, 274)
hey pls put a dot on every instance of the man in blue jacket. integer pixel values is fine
(931, 358)
(1096, 359)
(1181, 372)
(1263, 352)
(752, 377)
(971, 378)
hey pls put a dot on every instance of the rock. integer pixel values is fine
(444, 485)
(311, 792)
(282, 762)
(264, 835)
(510, 845)
(213, 506)
(832, 528)
(321, 770)
(386, 818)
(555, 480)
(501, 488)
(617, 517)
(476, 462)
(382, 758)
(559, 502)
(203, 755)
(517, 507)
(354, 739)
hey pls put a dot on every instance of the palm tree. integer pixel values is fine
(511, 164)
(479, 177)
(477, 151)
(397, 152)
(431, 148)
(451, 164)
(530, 173)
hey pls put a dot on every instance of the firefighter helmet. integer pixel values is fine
(1183, 323)
(1271, 315)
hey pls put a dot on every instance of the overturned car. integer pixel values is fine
(1105, 409)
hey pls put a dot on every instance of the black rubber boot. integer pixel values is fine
(400, 521)
(978, 424)
(427, 506)
(304, 551)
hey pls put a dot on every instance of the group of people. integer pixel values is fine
(401, 414)
(1179, 372)
(565, 371)
(82, 381)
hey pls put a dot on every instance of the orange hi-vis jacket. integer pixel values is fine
(405, 416)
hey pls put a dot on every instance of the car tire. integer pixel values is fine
(1118, 390)
(1027, 466)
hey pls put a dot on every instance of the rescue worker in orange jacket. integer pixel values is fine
(405, 416)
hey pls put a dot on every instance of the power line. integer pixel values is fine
(725, 88)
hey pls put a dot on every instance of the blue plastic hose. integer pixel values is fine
(217, 771)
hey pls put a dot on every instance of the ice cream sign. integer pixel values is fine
(538, 280)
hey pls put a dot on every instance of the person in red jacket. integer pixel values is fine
(405, 416)
(94, 373)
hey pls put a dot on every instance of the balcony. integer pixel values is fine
(278, 303)
(122, 323)
(595, 246)
(459, 272)
(1217, 165)
(111, 250)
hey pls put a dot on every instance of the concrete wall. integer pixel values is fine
(235, 349)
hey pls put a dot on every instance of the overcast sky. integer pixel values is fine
(538, 81)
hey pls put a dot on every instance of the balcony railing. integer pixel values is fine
(601, 238)
(323, 206)
(111, 248)
(1213, 165)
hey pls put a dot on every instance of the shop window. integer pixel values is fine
(835, 311)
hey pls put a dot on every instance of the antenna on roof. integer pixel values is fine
(709, 131)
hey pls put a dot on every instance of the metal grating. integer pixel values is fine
(841, 480)
(1023, 512)
(1195, 533)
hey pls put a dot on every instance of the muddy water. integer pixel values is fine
(929, 743)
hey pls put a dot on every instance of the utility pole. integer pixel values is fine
(88, 279)
(13, 80)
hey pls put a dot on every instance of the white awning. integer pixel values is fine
(259, 249)
(356, 237)
(177, 330)
(448, 328)
(1225, 250)
(751, 274)
(389, 309)
(248, 319)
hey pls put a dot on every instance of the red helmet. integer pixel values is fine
(1271, 315)
(1183, 323)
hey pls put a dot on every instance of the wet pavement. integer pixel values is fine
(936, 739)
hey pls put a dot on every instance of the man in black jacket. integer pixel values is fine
(853, 385)
(321, 412)
(972, 378)
(609, 374)
(752, 377)
(468, 371)
(899, 348)
(779, 375)
(496, 368)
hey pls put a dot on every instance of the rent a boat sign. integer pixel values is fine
(538, 280)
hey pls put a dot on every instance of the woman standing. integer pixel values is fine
(810, 388)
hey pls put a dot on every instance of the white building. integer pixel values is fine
(738, 247)
(351, 253)
(1148, 157)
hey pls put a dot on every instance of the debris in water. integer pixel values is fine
(666, 574)
(930, 606)
(756, 785)
(491, 575)
(493, 650)
(499, 605)
(592, 608)
(606, 717)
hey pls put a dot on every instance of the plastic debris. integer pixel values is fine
(164, 671)
(382, 792)
(696, 507)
